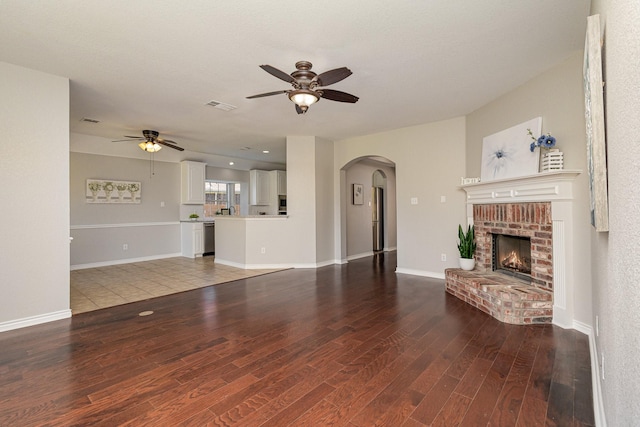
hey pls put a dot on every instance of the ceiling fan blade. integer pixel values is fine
(134, 138)
(278, 92)
(336, 95)
(167, 140)
(333, 76)
(277, 73)
(169, 145)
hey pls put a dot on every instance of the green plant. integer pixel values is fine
(194, 216)
(467, 245)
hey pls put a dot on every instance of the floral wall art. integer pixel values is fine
(109, 191)
(507, 154)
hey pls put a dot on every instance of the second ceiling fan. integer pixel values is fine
(151, 141)
(308, 87)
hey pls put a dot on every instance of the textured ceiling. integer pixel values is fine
(148, 64)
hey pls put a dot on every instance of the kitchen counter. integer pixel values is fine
(253, 217)
(198, 220)
(252, 241)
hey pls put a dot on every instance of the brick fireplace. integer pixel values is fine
(538, 207)
(532, 220)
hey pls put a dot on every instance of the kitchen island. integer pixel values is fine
(253, 241)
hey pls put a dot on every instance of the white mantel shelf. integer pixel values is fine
(544, 186)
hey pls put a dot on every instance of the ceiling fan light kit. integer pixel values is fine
(150, 146)
(307, 85)
(303, 98)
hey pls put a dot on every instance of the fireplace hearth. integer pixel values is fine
(513, 278)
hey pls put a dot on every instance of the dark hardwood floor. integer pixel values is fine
(352, 345)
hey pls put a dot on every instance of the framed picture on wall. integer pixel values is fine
(595, 126)
(358, 194)
(507, 154)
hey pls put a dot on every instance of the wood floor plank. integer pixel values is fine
(433, 401)
(453, 411)
(344, 345)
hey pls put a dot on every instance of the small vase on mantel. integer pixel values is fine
(467, 264)
(552, 160)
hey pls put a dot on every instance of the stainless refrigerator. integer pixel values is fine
(377, 218)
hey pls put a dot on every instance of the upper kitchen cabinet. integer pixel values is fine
(282, 182)
(259, 187)
(192, 175)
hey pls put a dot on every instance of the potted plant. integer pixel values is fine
(194, 216)
(467, 247)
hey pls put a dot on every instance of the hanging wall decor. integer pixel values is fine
(595, 125)
(110, 191)
(358, 194)
(506, 154)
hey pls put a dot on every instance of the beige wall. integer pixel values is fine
(149, 229)
(324, 201)
(616, 274)
(34, 219)
(429, 163)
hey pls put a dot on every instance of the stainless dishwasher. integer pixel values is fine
(209, 238)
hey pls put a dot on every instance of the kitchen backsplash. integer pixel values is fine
(186, 210)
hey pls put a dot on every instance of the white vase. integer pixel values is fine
(467, 263)
(552, 160)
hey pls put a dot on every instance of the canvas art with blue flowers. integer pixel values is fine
(543, 141)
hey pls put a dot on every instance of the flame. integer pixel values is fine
(514, 262)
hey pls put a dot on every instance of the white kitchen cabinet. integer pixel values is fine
(192, 239)
(192, 176)
(282, 182)
(259, 187)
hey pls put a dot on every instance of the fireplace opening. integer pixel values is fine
(512, 255)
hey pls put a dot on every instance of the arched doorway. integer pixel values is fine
(357, 229)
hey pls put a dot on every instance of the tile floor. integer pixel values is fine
(102, 287)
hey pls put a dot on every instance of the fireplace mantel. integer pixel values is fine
(541, 187)
(556, 188)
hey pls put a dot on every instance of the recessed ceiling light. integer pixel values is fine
(231, 163)
(265, 151)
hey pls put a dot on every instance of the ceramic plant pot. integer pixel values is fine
(467, 264)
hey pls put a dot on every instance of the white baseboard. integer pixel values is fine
(598, 403)
(34, 320)
(422, 273)
(358, 256)
(123, 261)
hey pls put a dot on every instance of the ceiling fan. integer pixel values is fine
(151, 142)
(308, 86)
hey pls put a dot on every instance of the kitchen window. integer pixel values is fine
(221, 195)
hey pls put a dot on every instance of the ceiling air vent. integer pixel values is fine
(88, 120)
(221, 106)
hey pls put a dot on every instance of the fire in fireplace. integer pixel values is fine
(512, 255)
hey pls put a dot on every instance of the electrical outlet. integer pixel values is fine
(125, 247)
(162, 204)
(443, 257)
(263, 250)
(443, 199)
(414, 200)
